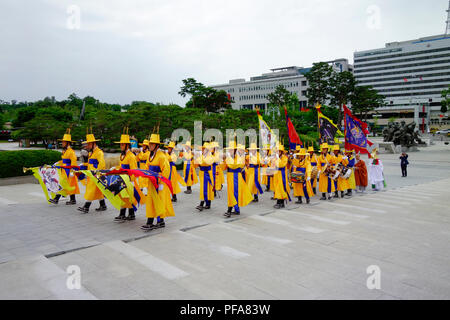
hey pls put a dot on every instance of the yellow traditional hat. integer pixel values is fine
(145, 143)
(336, 147)
(67, 137)
(311, 149)
(90, 138)
(214, 144)
(206, 145)
(253, 146)
(301, 152)
(240, 146)
(280, 147)
(347, 151)
(154, 138)
(124, 138)
(171, 144)
(298, 147)
(231, 145)
(188, 143)
(324, 146)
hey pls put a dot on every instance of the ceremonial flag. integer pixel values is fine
(355, 133)
(267, 135)
(49, 179)
(294, 139)
(327, 129)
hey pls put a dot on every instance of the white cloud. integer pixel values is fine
(142, 49)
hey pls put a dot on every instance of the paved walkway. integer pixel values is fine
(315, 251)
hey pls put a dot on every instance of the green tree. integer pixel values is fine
(280, 97)
(365, 99)
(342, 86)
(191, 87)
(445, 102)
(318, 79)
(206, 98)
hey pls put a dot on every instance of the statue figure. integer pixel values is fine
(406, 135)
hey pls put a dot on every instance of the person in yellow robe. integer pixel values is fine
(265, 159)
(238, 194)
(281, 178)
(158, 203)
(253, 179)
(204, 163)
(313, 161)
(301, 163)
(96, 161)
(68, 158)
(326, 184)
(217, 167)
(190, 176)
(127, 161)
(174, 177)
(340, 184)
(351, 165)
(141, 159)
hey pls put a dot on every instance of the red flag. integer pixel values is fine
(404, 79)
(293, 136)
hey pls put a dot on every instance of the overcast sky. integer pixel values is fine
(121, 51)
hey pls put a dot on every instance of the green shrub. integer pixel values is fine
(13, 162)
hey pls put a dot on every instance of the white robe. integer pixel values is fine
(376, 174)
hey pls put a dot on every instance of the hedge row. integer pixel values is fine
(12, 162)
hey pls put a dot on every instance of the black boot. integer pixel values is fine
(72, 200)
(200, 206)
(349, 192)
(85, 208)
(121, 217)
(299, 200)
(208, 204)
(255, 198)
(102, 206)
(188, 190)
(228, 213)
(160, 224)
(307, 200)
(174, 198)
(336, 194)
(342, 194)
(131, 215)
(278, 204)
(149, 226)
(55, 199)
(323, 196)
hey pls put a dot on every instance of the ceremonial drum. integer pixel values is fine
(314, 173)
(346, 173)
(297, 177)
(336, 174)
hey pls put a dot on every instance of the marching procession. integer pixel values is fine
(148, 176)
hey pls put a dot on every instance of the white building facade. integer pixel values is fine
(253, 93)
(411, 75)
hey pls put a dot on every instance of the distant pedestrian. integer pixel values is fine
(404, 163)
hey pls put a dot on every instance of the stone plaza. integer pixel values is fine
(324, 250)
